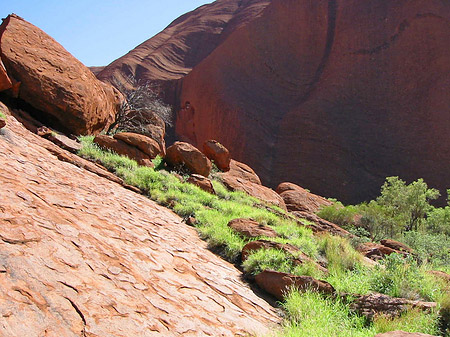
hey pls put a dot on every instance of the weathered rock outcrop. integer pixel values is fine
(241, 177)
(55, 82)
(124, 149)
(251, 229)
(204, 183)
(82, 256)
(376, 251)
(187, 155)
(332, 94)
(188, 40)
(146, 144)
(218, 153)
(297, 198)
(373, 304)
(279, 284)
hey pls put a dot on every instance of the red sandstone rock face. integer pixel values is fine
(188, 40)
(334, 95)
(53, 81)
(5, 81)
(82, 256)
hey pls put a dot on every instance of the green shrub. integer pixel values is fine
(340, 254)
(273, 259)
(402, 277)
(413, 320)
(339, 214)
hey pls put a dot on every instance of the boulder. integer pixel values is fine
(202, 182)
(5, 81)
(242, 171)
(319, 225)
(146, 144)
(122, 148)
(297, 198)
(251, 229)
(218, 153)
(297, 256)
(185, 154)
(373, 304)
(400, 333)
(278, 284)
(241, 177)
(376, 251)
(396, 245)
(171, 54)
(53, 81)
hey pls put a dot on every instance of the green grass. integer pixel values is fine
(308, 314)
(313, 315)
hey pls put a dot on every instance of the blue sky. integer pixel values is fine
(99, 31)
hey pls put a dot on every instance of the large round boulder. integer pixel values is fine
(185, 154)
(53, 81)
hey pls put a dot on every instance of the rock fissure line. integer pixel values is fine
(402, 27)
(83, 319)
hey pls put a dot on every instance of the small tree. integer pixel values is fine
(407, 204)
(141, 102)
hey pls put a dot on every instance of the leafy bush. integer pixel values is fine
(400, 277)
(407, 204)
(431, 248)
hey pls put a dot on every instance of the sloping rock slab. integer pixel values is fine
(278, 284)
(297, 198)
(54, 81)
(82, 256)
(372, 304)
(251, 229)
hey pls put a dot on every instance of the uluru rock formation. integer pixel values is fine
(334, 95)
(54, 82)
(82, 256)
(172, 54)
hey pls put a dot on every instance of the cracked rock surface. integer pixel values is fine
(82, 256)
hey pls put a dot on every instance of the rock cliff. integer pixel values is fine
(331, 94)
(172, 54)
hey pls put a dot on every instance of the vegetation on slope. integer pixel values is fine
(307, 313)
